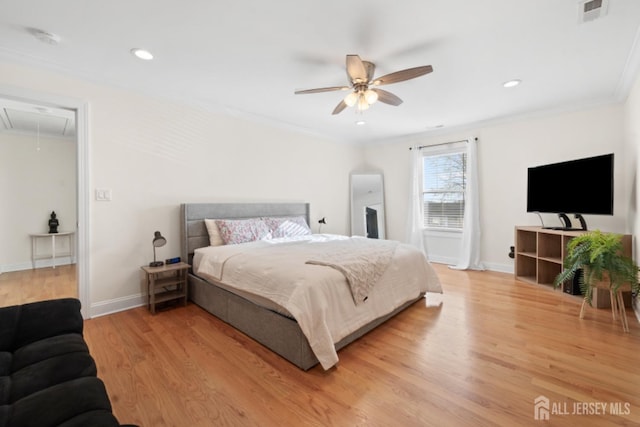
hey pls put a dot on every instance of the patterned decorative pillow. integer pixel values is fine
(215, 239)
(234, 231)
(287, 226)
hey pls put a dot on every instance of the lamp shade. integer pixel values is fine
(158, 240)
(362, 103)
(351, 99)
(371, 96)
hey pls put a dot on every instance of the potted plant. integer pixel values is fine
(601, 259)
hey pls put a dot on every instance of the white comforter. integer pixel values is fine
(318, 297)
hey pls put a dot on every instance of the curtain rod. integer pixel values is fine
(420, 147)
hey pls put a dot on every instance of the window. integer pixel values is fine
(444, 182)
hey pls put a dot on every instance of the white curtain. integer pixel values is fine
(470, 245)
(415, 218)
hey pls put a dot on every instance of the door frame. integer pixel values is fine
(81, 109)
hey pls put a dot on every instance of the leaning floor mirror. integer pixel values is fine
(367, 205)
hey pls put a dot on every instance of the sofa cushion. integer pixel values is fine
(43, 363)
(39, 320)
(4, 415)
(5, 391)
(6, 361)
(8, 322)
(46, 373)
(61, 403)
(46, 349)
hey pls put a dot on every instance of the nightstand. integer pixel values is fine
(166, 283)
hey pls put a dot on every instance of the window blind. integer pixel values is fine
(444, 182)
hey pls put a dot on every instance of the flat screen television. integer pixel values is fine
(582, 186)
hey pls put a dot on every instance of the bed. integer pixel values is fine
(274, 324)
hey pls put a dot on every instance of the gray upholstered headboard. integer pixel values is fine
(192, 215)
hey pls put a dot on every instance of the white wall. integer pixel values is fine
(505, 151)
(154, 154)
(35, 179)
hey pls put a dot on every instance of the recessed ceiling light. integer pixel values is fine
(512, 83)
(142, 54)
(361, 123)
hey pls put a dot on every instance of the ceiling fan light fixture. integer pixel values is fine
(360, 74)
(351, 99)
(362, 103)
(371, 96)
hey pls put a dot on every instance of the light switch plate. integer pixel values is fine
(103, 195)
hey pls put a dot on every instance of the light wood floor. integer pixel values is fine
(476, 356)
(20, 287)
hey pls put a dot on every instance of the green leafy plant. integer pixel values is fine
(599, 256)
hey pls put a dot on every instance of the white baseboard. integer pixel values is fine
(501, 268)
(443, 260)
(40, 263)
(103, 308)
(491, 266)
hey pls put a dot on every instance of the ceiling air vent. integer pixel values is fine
(590, 10)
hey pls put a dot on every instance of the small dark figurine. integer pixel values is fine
(53, 223)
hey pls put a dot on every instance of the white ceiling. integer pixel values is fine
(247, 57)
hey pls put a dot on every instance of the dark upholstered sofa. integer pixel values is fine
(47, 376)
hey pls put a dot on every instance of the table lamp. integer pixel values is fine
(321, 222)
(158, 241)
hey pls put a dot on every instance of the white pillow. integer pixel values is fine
(287, 226)
(215, 239)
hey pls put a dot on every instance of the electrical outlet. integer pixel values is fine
(103, 195)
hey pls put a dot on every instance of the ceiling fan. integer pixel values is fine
(363, 85)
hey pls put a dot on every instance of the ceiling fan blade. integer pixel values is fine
(356, 70)
(341, 106)
(322, 89)
(400, 76)
(387, 97)
(370, 67)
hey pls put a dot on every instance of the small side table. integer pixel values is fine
(166, 283)
(69, 235)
